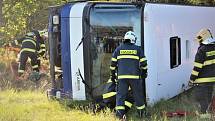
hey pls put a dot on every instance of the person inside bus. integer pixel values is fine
(130, 64)
(203, 73)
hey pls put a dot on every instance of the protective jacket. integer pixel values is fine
(29, 44)
(29, 47)
(42, 47)
(129, 61)
(204, 65)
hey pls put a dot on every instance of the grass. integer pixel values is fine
(9, 73)
(34, 106)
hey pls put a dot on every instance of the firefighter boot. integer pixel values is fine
(120, 114)
(34, 76)
(124, 118)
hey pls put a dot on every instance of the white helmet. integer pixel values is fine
(30, 34)
(131, 36)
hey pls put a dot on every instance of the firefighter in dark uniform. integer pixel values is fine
(29, 48)
(108, 99)
(130, 64)
(203, 73)
(43, 36)
(40, 37)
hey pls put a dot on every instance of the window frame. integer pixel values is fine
(175, 51)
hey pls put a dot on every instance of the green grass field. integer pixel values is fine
(34, 106)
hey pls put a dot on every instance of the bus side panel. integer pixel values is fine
(65, 49)
(77, 60)
(183, 22)
(151, 56)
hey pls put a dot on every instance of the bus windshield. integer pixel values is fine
(108, 24)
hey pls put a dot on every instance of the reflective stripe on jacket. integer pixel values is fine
(29, 44)
(42, 49)
(204, 65)
(128, 61)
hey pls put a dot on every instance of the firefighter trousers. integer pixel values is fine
(109, 98)
(204, 93)
(122, 91)
(23, 59)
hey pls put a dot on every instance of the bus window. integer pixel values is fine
(108, 26)
(175, 52)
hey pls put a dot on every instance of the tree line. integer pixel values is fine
(20, 16)
(191, 2)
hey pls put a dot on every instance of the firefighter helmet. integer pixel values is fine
(203, 34)
(43, 33)
(130, 36)
(33, 33)
(36, 33)
(30, 34)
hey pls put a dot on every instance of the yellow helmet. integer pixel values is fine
(44, 33)
(203, 34)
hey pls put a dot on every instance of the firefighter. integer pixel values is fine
(43, 36)
(203, 73)
(130, 64)
(29, 48)
(108, 99)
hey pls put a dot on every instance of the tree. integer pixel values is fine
(1, 16)
(21, 16)
(202, 2)
(195, 2)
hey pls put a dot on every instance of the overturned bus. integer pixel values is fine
(83, 35)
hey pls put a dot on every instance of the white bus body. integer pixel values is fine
(89, 32)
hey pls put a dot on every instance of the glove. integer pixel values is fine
(144, 74)
(113, 78)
